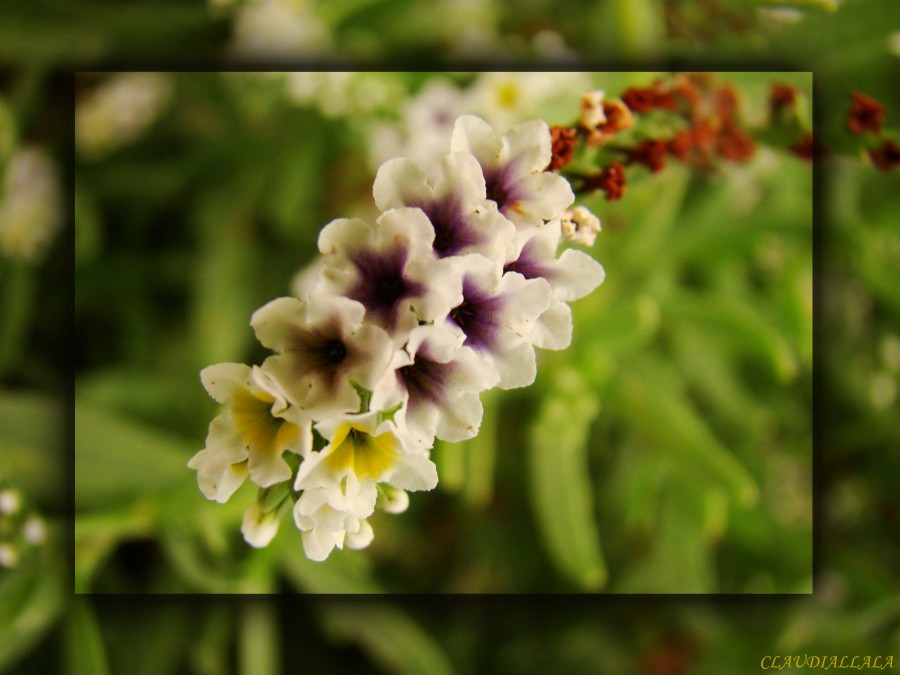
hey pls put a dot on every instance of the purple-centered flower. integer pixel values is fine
(464, 221)
(437, 381)
(497, 315)
(390, 269)
(571, 276)
(323, 347)
(514, 169)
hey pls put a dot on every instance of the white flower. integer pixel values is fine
(119, 111)
(571, 276)
(592, 113)
(513, 167)
(10, 502)
(391, 500)
(438, 381)
(277, 28)
(497, 316)
(390, 269)
(429, 119)
(504, 98)
(580, 225)
(339, 482)
(251, 435)
(360, 453)
(324, 526)
(464, 221)
(9, 555)
(31, 209)
(34, 531)
(323, 346)
(258, 527)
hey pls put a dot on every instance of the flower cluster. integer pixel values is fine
(399, 327)
(21, 530)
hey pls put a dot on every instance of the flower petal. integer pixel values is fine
(528, 146)
(474, 135)
(553, 329)
(576, 275)
(401, 182)
(223, 379)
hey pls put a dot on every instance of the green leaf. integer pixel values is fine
(392, 639)
(681, 559)
(561, 492)
(741, 324)
(19, 289)
(344, 572)
(480, 454)
(86, 651)
(259, 638)
(31, 444)
(117, 460)
(33, 598)
(223, 299)
(656, 410)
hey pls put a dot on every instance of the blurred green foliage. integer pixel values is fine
(183, 233)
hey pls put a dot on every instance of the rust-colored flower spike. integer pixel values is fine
(651, 153)
(866, 114)
(610, 179)
(886, 157)
(563, 142)
(782, 99)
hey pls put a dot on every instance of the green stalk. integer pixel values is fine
(18, 295)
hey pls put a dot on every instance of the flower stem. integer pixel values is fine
(18, 294)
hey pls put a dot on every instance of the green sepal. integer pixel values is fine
(388, 414)
(365, 397)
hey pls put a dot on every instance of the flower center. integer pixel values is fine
(334, 351)
(476, 316)
(358, 451)
(253, 419)
(425, 380)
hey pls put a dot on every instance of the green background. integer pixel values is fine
(190, 214)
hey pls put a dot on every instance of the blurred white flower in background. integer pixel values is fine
(279, 28)
(31, 209)
(119, 111)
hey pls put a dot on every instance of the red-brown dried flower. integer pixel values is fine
(651, 153)
(663, 98)
(681, 145)
(610, 179)
(782, 98)
(886, 157)
(804, 148)
(734, 144)
(618, 117)
(704, 137)
(638, 99)
(866, 114)
(563, 144)
(725, 103)
(686, 89)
